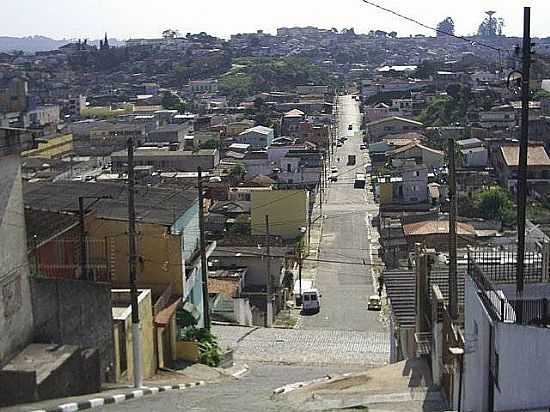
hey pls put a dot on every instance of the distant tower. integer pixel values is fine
(106, 42)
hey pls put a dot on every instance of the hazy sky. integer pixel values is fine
(148, 18)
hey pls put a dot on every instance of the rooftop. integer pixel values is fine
(434, 227)
(536, 155)
(153, 205)
(42, 225)
(258, 129)
(294, 113)
(394, 118)
(248, 251)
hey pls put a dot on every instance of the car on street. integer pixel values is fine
(311, 301)
(334, 169)
(350, 127)
(363, 147)
(334, 177)
(374, 303)
(339, 144)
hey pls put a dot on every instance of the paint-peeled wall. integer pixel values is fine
(15, 297)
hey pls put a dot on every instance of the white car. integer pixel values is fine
(311, 301)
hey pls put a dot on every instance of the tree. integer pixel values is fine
(209, 144)
(490, 26)
(446, 26)
(496, 203)
(238, 171)
(393, 34)
(169, 34)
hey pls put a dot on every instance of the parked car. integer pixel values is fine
(374, 303)
(311, 301)
(334, 178)
(350, 127)
(333, 169)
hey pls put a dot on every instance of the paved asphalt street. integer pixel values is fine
(342, 337)
(251, 393)
(346, 286)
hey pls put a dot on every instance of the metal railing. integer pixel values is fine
(60, 259)
(501, 266)
(500, 308)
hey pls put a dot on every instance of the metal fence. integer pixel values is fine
(501, 266)
(61, 259)
(520, 311)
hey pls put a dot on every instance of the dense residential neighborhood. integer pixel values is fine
(312, 219)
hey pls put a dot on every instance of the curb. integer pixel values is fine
(241, 372)
(118, 398)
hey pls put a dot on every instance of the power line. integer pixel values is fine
(412, 20)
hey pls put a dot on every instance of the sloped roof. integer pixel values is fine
(536, 155)
(413, 145)
(227, 287)
(258, 129)
(161, 205)
(435, 227)
(42, 225)
(294, 113)
(393, 118)
(261, 180)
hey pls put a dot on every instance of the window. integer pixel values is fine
(313, 297)
(306, 297)
(288, 167)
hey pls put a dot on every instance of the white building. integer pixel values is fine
(257, 137)
(506, 362)
(475, 157)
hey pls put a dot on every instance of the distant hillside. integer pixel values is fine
(33, 44)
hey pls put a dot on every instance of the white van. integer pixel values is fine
(311, 300)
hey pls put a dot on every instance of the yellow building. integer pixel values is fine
(287, 211)
(55, 148)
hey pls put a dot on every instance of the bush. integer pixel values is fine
(210, 352)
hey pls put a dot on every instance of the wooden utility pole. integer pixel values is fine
(204, 268)
(132, 258)
(268, 297)
(523, 147)
(453, 287)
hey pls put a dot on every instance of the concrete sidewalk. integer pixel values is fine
(164, 381)
(402, 386)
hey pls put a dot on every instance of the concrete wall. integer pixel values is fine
(476, 356)
(159, 255)
(523, 368)
(74, 312)
(287, 210)
(255, 275)
(15, 296)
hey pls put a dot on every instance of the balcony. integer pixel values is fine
(494, 274)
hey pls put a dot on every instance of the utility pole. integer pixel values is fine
(523, 147)
(83, 251)
(310, 212)
(453, 298)
(300, 262)
(132, 257)
(204, 268)
(268, 297)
